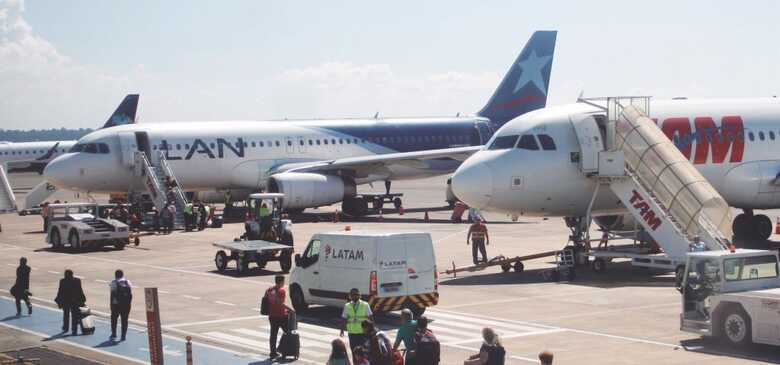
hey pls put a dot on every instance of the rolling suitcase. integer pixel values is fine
(87, 323)
(290, 345)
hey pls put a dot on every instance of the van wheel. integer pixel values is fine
(599, 265)
(417, 311)
(56, 239)
(297, 299)
(735, 327)
(221, 261)
(73, 239)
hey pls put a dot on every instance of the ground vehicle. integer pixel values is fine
(734, 296)
(79, 225)
(392, 270)
(268, 237)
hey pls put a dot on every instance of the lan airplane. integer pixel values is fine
(530, 167)
(314, 163)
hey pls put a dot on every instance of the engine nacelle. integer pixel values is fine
(624, 222)
(307, 190)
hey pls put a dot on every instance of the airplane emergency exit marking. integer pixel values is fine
(638, 202)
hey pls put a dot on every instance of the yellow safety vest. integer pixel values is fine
(356, 314)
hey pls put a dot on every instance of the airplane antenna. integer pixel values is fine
(376, 116)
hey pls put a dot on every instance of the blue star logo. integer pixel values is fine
(532, 71)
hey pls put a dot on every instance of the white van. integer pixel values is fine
(392, 271)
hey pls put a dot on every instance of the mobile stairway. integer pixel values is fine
(674, 204)
(154, 178)
(7, 198)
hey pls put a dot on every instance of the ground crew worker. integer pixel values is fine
(188, 217)
(228, 200)
(45, 215)
(264, 214)
(203, 211)
(355, 312)
(478, 235)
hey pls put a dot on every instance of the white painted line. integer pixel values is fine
(450, 235)
(12, 265)
(101, 281)
(630, 339)
(505, 337)
(74, 344)
(163, 291)
(317, 342)
(189, 324)
(190, 297)
(463, 334)
(224, 303)
(503, 320)
(224, 337)
(53, 272)
(474, 349)
(456, 319)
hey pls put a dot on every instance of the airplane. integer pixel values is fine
(531, 165)
(313, 162)
(20, 157)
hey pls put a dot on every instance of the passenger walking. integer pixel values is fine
(277, 312)
(405, 333)
(427, 349)
(546, 358)
(478, 235)
(491, 352)
(171, 217)
(355, 312)
(121, 299)
(21, 288)
(70, 296)
(378, 344)
(338, 353)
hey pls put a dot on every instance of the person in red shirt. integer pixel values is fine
(478, 234)
(277, 311)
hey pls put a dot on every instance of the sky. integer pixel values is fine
(69, 63)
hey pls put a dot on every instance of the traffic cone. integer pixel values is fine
(426, 216)
(777, 226)
(401, 210)
(347, 228)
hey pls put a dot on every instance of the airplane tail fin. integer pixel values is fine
(524, 88)
(124, 113)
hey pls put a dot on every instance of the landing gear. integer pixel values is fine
(747, 226)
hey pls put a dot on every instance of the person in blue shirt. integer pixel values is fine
(405, 333)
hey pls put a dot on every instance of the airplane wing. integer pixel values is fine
(372, 164)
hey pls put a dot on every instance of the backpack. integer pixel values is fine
(123, 292)
(428, 349)
(265, 307)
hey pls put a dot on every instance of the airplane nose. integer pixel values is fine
(56, 172)
(472, 183)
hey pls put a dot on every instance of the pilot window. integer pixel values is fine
(90, 148)
(528, 142)
(503, 142)
(102, 148)
(546, 141)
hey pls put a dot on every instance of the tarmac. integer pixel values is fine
(622, 316)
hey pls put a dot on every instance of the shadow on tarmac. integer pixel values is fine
(251, 272)
(711, 346)
(330, 317)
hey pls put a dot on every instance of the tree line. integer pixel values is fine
(31, 135)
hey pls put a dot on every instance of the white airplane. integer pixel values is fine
(314, 163)
(20, 157)
(531, 165)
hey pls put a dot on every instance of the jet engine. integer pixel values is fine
(624, 222)
(308, 190)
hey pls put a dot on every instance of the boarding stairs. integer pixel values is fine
(154, 178)
(38, 194)
(7, 198)
(671, 200)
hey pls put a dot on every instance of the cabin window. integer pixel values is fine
(761, 135)
(503, 142)
(333, 141)
(277, 144)
(289, 142)
(547, 142)
(318, 142)
(751, 136)
(528, 142)
(311, 143)
(253, 144)
(772, 135)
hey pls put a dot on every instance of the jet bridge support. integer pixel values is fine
(155, 180)
(671, 200)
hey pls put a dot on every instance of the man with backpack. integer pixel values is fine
(427, 350)
(121, 298)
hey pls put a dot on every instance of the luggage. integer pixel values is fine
(290, 345)
(292, 322)
(87, 322)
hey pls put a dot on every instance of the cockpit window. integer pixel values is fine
(528, 142)
(546, 141)
(90, 148)
(503, 142)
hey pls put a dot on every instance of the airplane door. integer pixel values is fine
(301, 144)
(589, 138)
(142, 141)
(127, 144)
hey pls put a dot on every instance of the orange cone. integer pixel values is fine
(426, 216)
(777, 226)
(401, 210)
(347, 228)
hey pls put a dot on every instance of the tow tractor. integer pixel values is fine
(79, 225)
(268, 237)
(732, 295)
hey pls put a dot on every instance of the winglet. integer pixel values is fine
(124, 113)
(524, 88)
